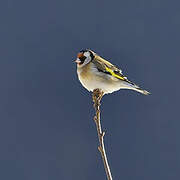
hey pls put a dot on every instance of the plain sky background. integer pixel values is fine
(46, 117)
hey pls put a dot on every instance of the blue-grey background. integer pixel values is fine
(46, 116)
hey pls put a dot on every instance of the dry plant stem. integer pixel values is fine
(97, 96)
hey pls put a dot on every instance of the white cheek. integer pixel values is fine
(87, 54)
(88, 59)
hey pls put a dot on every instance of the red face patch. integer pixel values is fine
(80, 55)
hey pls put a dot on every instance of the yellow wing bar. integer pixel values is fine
(113, 74)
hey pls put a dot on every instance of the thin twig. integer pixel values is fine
(97, 96)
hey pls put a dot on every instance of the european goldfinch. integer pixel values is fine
(94, 72)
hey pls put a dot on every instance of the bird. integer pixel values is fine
(94, 72)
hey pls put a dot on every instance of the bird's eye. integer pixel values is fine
(82, 58)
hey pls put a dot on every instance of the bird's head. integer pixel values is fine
(84, 57)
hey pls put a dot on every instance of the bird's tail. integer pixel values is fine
(142, 91)
(130, 85)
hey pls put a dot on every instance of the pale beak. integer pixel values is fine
(78, 61)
